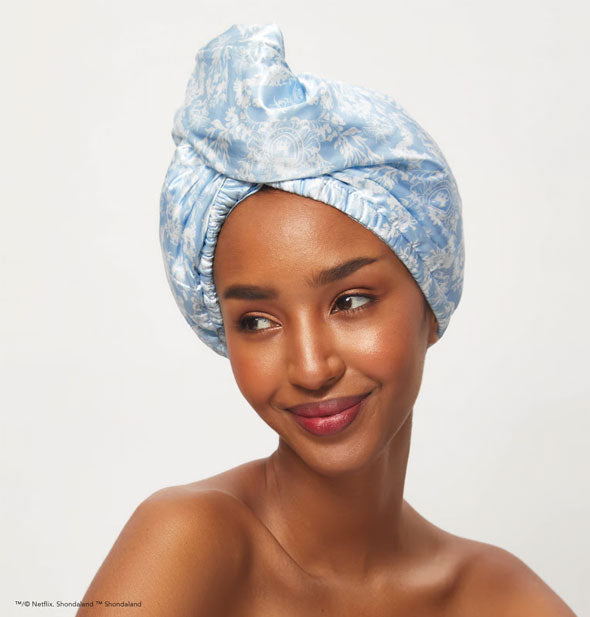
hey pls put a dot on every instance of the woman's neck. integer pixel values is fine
(344, 527)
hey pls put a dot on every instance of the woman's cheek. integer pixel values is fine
(362, 341)
(388, 351)
(255, 374)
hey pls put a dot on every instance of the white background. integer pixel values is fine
(106, 393)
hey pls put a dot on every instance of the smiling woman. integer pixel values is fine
(323, 266)
(357, 329)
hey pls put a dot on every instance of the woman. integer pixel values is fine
(312, 234)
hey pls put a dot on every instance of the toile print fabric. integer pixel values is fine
(248, 120)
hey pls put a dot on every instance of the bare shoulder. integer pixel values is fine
(183, 551)
(498, 583)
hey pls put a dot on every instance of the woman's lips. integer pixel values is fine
(327, 408)
(328, 417)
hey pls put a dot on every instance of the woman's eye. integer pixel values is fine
(251, 322)
(351, 302)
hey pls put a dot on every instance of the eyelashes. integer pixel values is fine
(248, 323)
(355, 308)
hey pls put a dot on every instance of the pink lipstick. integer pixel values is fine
(328, 417)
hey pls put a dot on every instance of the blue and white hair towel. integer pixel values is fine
(248, 120)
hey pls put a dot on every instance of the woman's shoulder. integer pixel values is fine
(478, 578)
(496, 582)
(184, 549)
(195, 511)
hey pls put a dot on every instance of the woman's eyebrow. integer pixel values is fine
(340, 271)
(319, 279)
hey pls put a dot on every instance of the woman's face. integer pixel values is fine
(295, 335)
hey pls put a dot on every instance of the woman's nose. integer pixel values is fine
(313, 357)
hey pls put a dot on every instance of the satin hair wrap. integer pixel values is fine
(248, 120)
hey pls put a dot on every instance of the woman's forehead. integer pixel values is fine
(286, 236)
(283, 223)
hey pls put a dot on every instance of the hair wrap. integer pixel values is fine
(248, 120)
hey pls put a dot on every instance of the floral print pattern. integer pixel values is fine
(248, 120)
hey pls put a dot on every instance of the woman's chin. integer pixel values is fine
(342, 454)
